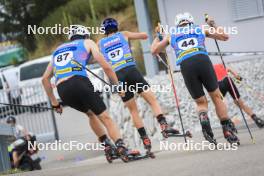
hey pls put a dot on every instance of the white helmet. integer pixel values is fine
(182, 17)
(78, 30)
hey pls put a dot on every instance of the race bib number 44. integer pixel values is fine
(187, 43)
(116, 54)
(63, 58)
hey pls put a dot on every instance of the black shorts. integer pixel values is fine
(198, 71)
(78, 93)
(225, 87)
(133, 81)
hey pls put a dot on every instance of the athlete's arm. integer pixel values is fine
(135, 35)
(15, 159)
(215, 32)
(157, 45)
(92, 47)
(48, 88)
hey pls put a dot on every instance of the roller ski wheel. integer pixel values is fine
(150, 154)
(136, 155)
(110, 153)
(109, 159)
(122, 153)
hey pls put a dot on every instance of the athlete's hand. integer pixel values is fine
(238, 77)
(210, 21)
(57, 107)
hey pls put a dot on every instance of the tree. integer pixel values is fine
(16, 15)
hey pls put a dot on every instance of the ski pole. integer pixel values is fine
(27, 106)
(256, 93)
(98, 77)
(232, 86)
(174, 89)
(175, 94)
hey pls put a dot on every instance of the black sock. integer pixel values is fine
(142, 132)
(225, 122)
(161, 119)
(103, 138)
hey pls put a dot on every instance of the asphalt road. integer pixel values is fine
(247, 160)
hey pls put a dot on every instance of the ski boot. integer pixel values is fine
(233, 127)
(206, 128)
(147, 146)
(229, 133)
(110, 151)
(259, 122)
(167, 131)
(122, 151)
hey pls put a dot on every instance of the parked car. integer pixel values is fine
(30, 74)
(3, 92)
(7, 93)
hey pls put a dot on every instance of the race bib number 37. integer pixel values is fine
(63, 58)
(188, 43)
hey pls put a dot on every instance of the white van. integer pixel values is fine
(3, 92)
(30, 74)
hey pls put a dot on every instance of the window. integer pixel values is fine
(246, 9)
(33, 71)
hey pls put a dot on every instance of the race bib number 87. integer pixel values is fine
(188, 43)
(116, 54)
(63, 58)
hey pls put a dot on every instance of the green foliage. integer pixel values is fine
(84, 12)
(16, 15)
(48, 13)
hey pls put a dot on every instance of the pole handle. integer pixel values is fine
(206, 16)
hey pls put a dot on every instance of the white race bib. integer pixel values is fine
(63, 58)
(188, 43)
(116, 54)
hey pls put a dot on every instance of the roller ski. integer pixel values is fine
(131, 155)
(110, 152)
(115, 152)
(167, 131)
(229, 133)
(206, 128)
(147, 146)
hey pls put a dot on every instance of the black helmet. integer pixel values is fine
(11, 119)
(110, 25)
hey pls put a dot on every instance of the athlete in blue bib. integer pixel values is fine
(117, 52)
(76, 90)
(65, 59)
(197, 69)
